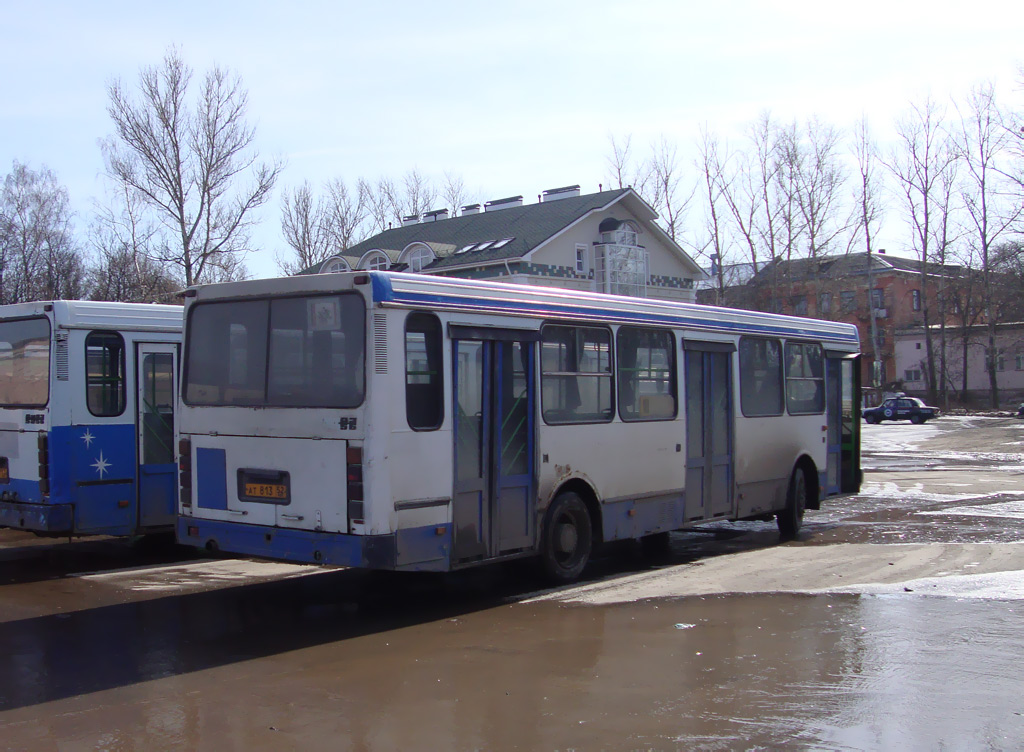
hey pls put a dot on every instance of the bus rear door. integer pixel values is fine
(157, 373)
(493, 507)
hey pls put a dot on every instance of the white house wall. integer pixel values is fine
(670, 276)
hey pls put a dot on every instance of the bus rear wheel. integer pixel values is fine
(792, 516)
(567, 540)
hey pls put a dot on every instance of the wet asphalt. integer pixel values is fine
(121, 645)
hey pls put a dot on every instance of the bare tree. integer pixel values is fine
(982, 144)
(763, 135)
(376, 198)
(670, 200)
(454, 193)
(626, 171)
(714, 243)
(922, 163)
(304, 228)
(125, 245)
(39, 259)
(789, 220)
(190, 161)
(820, 178)
(345, 215)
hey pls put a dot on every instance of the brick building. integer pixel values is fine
(846, 288)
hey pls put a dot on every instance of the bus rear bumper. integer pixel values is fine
(411, 550)
(39, 518)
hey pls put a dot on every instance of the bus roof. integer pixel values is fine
(419, 291)
(427, 291)
(88, 314)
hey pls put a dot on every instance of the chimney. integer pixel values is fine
(503, 203)
(554, 194)
(436, 215)
(470, 209)
(412, 219)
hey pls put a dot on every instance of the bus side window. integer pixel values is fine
(805, 378)
(104, 374)
(760, 376)
(424, 375)
(576, 374)
(646, 374)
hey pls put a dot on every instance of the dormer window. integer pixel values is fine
(375, 261)
(417, 257)
(335, 265)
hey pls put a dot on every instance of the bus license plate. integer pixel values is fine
(266, 490)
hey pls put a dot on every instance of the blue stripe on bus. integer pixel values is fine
(384, 292)
(310, 547)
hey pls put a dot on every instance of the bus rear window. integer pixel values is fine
(25, 362)
(286, 352)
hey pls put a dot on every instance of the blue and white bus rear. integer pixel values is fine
(409, 422)
(87, 410)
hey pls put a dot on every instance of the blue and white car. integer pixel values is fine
(901, 408)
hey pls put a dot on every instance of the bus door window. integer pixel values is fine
(158, 408)
(105, 382)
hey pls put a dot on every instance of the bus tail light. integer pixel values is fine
(185, 472)
(354, 483)
(43, 444)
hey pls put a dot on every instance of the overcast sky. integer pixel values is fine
(515, 97)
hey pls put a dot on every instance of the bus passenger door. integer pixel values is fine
(833, 424)
(493, 506)
(709, 442)
(157, 372)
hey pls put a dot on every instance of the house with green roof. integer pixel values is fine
(602, 242)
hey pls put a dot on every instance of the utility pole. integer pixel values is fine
(876, 365)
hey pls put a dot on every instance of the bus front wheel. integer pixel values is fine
(567, 540)
(792, 516)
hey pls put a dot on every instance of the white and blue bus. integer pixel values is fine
(410, 422)
(87, 408)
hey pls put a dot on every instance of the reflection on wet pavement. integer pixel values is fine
(270, 669)
(112, 645)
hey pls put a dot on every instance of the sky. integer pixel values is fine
(514, 97)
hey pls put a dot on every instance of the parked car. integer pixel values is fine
(900, 408)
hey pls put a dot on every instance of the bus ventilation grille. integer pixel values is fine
(61, 355)
(380, 343)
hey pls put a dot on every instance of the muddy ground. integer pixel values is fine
(895, 621)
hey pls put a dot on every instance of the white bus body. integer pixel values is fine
(409, 422)
(87, 406)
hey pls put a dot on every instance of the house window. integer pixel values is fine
(877, 298)
(419, 258)
(377, 262)
(912, 374)
(334, 266)
(581, 258)
(917, 345)
(1018, 362)
(620, 269)
(1000, 361)
(825, 303)
(799, 304)
(848, 301)
(105, 386)
(915, 299)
